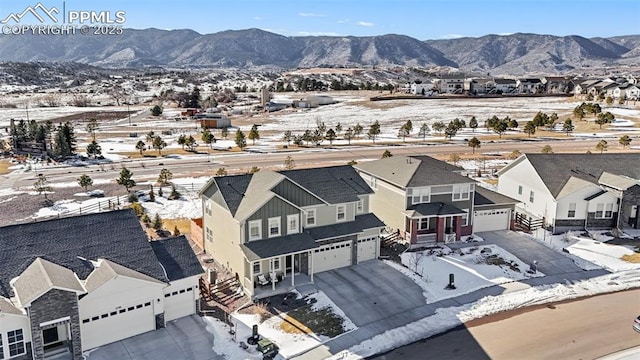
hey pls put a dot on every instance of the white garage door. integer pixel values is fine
(101, 329)
(179, 303)
(491, 220)
(367, 248)
(332, 256)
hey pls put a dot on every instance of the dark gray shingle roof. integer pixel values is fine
(591, 197)
(233, 188)
(177, 257)
(335, 184)
(262, 249)
(484, 196)
(556, 169)
(361, 222)
(114, 235)
(436, 209)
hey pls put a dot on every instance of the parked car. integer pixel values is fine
(636, 324)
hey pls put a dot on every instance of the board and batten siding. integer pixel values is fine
(290, 191)
(275, 207)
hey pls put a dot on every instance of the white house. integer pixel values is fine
(575, 191)
(424, 89)
(73, 284)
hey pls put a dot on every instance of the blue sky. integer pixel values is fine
(422, 19)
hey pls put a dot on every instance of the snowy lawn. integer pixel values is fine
(608, 256)
(298, 330)
(474, 268)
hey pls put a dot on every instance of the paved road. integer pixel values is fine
(583, 329)
(204, 165)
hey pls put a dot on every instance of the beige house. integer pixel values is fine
(286, 226)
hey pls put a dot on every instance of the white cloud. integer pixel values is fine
(451, 36)
(311, 15)
(257, 18)
(505, 33)
(343, 21)
(365, 23)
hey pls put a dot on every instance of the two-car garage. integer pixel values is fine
(340, 254)
(491, 220)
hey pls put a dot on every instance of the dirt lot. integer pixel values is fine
(20, 207)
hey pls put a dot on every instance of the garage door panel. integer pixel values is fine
(491, 220)
(332, 256)
(122, 323)
(367, 249)
(179, 304)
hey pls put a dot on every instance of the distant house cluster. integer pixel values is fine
(616, 87)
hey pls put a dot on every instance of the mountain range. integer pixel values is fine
(515, 54)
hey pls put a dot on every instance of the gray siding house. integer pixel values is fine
(277, 225)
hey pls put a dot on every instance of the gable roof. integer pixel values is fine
(555, 170)
(71, 242)
(414, 171)
(434, 209)
(42, 276)
(7, 307)
(108, 270)
(244, 194)
(334, 184)
(177, 258)
(484, 196)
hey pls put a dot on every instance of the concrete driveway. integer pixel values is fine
(550, 262)
(370, 292)
(185, 338)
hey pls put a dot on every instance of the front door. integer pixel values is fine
(50, 336)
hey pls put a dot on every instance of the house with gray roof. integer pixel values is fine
(73, 284)
(285, 226)
(427, 201)
(575, 191)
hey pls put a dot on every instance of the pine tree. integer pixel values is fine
(330, 135)
(386, 154)
(254, 134)
(152, 196)
(474, 143)
(85, 181)
(125, 179)
(141, 146)
(624, 140)
(157, 222)
(164, 177)
(42, 186)
(374, 131)
(159, 144)
(240, 140)
(424, 131)
(473, 123)
(289, 163)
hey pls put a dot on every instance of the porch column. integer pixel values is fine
(440, 224)
(311, 266)
(458, 230)
(293, 272)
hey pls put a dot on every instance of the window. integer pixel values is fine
(419, 195)
(209, 234)
(311, 216)
(461, 192)
(274, 226)
(360, 206)
(373, 182)
(207, 206)
(608, 211)
(255, 230)
(604, 211)
(292, 224)
(341, 212)
(257, 269)
(15, 340)
(519, 189)
(465, 217)
(572, 210)
(274, 264)
(531, 196)
(423, 224)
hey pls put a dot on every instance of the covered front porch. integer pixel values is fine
(277, 265)
(428, 224)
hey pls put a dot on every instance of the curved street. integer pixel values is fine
(588, 328)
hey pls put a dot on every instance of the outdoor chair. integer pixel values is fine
(262, 280)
